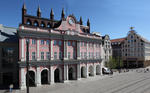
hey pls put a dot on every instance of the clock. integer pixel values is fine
(71, 21)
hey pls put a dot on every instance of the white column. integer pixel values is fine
(38, 77)
(65, 50)
(87, 48)
(22, 49)
(52, 55)
(23, 79)
(94, 69)
(38, 49)
(65, 73)
(51, 75)
(78, 50)
(78, 72)
(94, 51)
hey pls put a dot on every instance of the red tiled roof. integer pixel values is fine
(118, 40)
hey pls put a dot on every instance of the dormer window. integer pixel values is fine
(48, 25)
(42, 24)
(28, 22)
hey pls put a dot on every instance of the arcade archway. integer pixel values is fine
(91, 71)
(98, 70)
(83, 72)
(31, 78)
(44, 77)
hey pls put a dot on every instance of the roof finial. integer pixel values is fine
(131, 28)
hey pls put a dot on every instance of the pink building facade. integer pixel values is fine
(59, 50)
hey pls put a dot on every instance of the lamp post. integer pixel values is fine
(27, 66)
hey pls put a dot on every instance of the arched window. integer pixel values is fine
(36, 23)
(28, 22)
(42, 24)
(48, 25)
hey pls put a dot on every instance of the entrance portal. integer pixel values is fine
(83, 72)
(57, 75)
(70, 72)
(44, 77)
(31, 78)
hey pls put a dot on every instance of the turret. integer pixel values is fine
(63, 14)
(52, 15)
(81, 22)
(39, 12)
(24, 11)
(88, 24)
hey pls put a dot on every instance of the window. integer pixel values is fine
(68, 55)
(74, 54)
(84, 43)
(55, 55)
(47, 55)
(47, 42)
(33, 41)
(85, 55)
(60, 43)
(60, 55)
(73, 43)
(55, 42)
(81, 55)
(81, 43)
(36, 24)
(33, 55)
(7, 52)
(69, 43)
(42, 42)
(42, 55)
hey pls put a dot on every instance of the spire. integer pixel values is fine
(39, 12)
(52, 15)
(63, 14)
(88, 23)
(24, 11)
(24, 6)
(81, 22)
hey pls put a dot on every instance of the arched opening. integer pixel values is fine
(28, 22)
(42, 24)
(83, 72)
(31, 78)
(36, 23)
(98, 70)
(48, 25)
(44, 77)
(91, 71)
(71, 74)
(57, 75)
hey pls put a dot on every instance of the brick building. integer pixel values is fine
(59, 50)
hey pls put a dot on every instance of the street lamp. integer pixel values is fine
(27, 66)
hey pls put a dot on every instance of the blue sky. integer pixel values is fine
(112, 17)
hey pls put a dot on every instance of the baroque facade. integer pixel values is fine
(135, 50)
(106, 49)
(59, 50)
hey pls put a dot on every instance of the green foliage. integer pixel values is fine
(115, 63)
